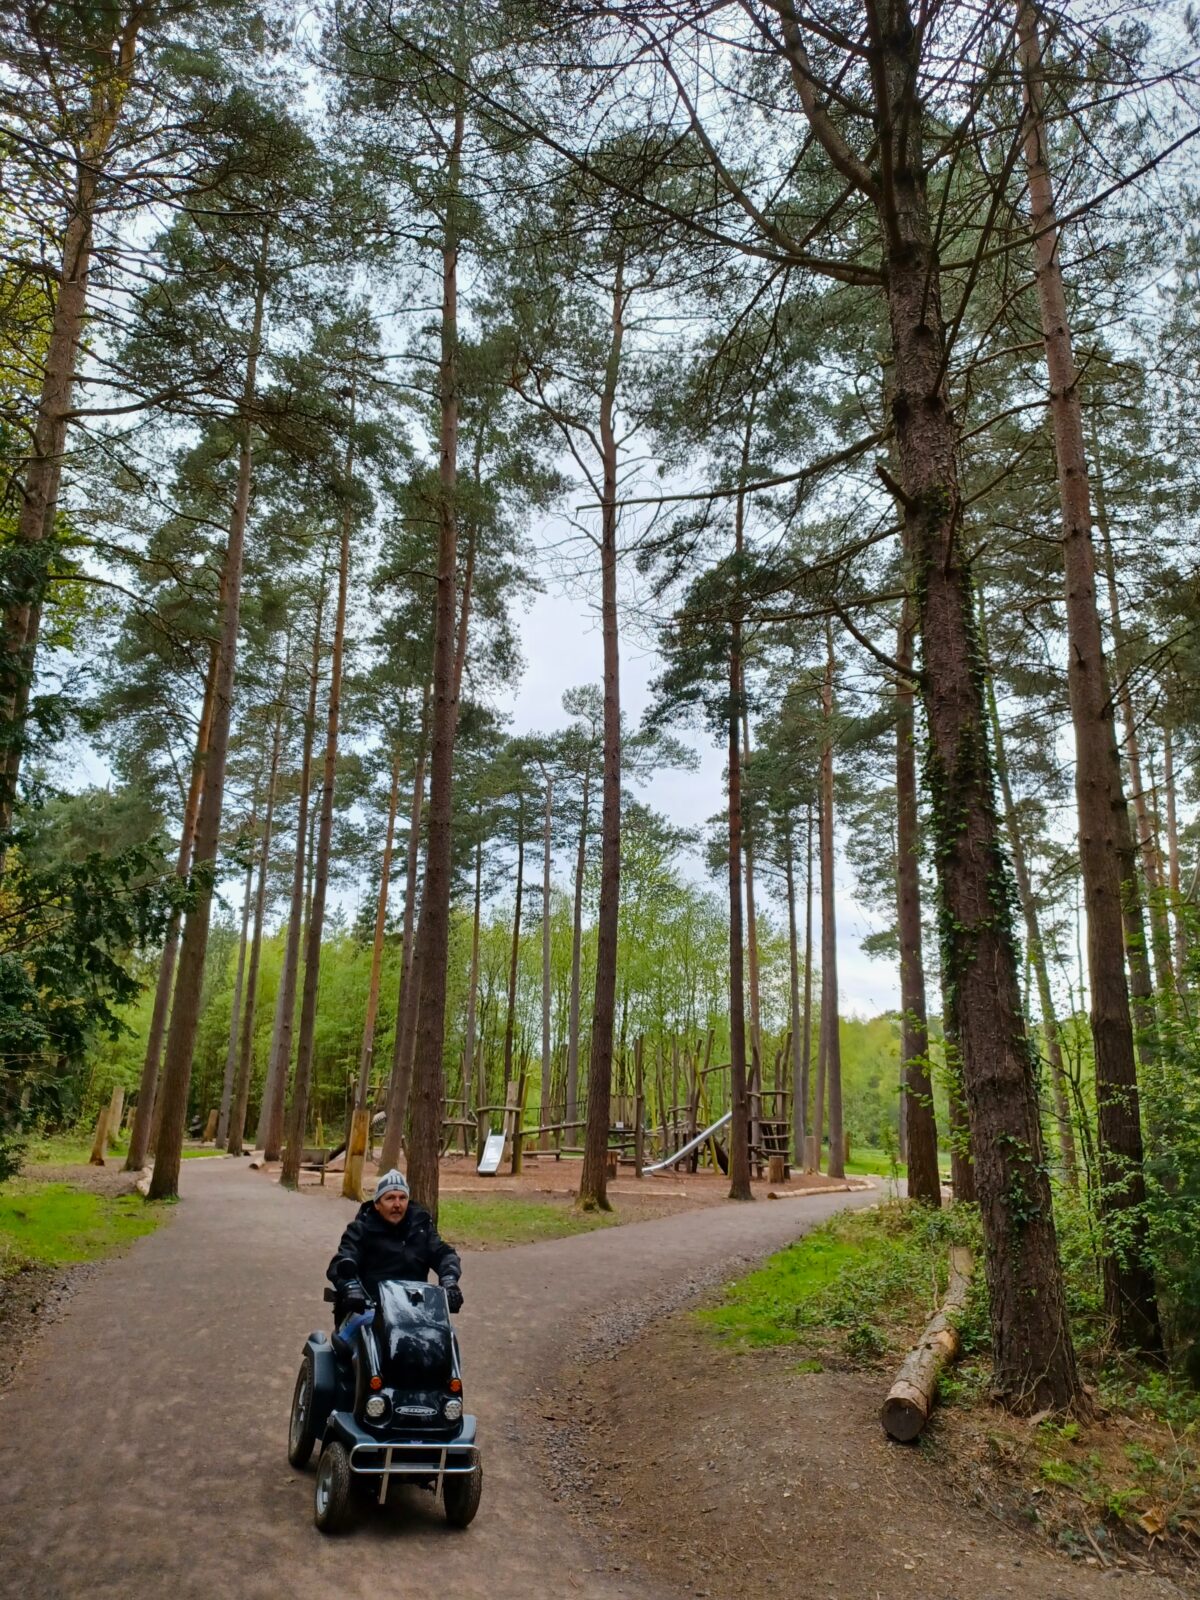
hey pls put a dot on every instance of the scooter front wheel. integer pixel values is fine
(333, 1505)
(460, 1497)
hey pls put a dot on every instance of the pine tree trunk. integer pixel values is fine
(546, 1060)
(1141, 983)
(235, 1013)
(830, 1022)
(27, 559)
(799, 1108)
(143, 1116)
(924, 1181)
(237, 1122)
(367, 1051)
(593, 1182)
(1033, 1358)
(1033, 934)
(289, 1175)
(185, 1012)
(1174, 883)
(434, 928)
(406, 1002)
(473, 987)
(515, 947)
(270, 1119)
(1105, 852)
(739, 1127)
(806, 1019)
(577, 956)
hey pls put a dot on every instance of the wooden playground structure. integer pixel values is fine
(665, 1112)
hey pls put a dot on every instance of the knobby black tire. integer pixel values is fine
(302, 1436)
(461, 1496)
(333, 1505)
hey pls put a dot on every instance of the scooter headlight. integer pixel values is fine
(376, 1407)
(452, 1410)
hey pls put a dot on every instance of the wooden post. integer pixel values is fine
(518, 1132)
(210, 1127)
(97, 1156)
(356, 1149)
(812, 1153)
(116, 1106)
(639, 1109)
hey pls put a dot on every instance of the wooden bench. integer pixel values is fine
(315, 1158)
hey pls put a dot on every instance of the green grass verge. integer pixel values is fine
(54, 1224)
(74, 1150)
(474, 1222)
(856, 1285)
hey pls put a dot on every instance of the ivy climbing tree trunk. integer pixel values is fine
(1033, 1358)
(1105, 842)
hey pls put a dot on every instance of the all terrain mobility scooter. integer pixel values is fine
(384, 1399)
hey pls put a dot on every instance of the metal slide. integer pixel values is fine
(493, 1152)
(692, 1144)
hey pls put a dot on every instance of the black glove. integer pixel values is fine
(354, 1297)
(453, 1295)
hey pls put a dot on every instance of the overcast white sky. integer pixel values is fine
(560, 636)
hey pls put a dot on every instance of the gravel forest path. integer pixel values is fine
(144, 1434)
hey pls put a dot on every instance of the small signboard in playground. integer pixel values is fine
(493, 1151)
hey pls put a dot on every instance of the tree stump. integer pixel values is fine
(611, 1162)
(911, 1398)
(776, 1169)
(210, 1127)
(356, 1149)
(812, 1153)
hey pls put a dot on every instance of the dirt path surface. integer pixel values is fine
(144, 1436)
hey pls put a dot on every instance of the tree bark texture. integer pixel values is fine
(270, 1118)
(593, 1182)
(289, 1174)
(1035, 949)
(241, 1096)
(510, 1015)
(405, 1039)
(434, 934)
(1105, 845)
(546, 1061)
(739, 1127)
(1033, 1358)
(830, 1028)
(27, 560)
(799, 1109)
(924, 1181)
(235, 1013)
(185, 1012)
(577, 952)
(139, 1136)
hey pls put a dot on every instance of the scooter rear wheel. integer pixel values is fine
(333, 1504)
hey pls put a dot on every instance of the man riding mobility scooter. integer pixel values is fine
(384, 1395)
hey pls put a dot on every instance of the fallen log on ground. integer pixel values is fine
(910, 1399)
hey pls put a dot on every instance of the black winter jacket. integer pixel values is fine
(372, 1250)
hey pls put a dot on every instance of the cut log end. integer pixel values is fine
(903, 1417)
